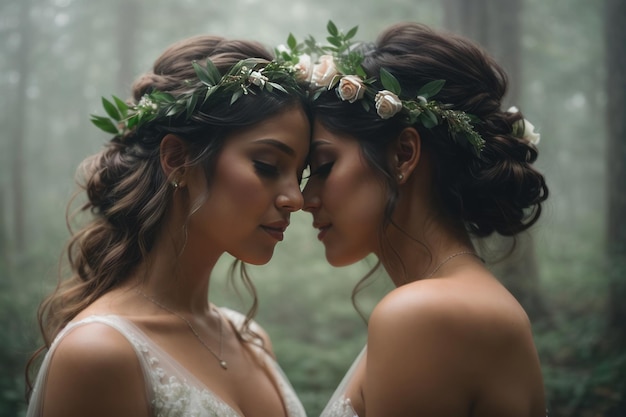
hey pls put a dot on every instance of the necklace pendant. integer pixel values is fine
(223, 364)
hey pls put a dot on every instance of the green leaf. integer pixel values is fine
(191, 104)
(236, 96)
(276, 86)
(104, 123)
(202, 73)
(291, 42)
(111, 109)
(121, 106)
(429, 119)
(132, 121)
(431, 89)
(351, 33)
(389, 82)
(214, 73)
(332, 29)
(334, 41)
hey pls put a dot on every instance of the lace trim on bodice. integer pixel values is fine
(172, 390)
(341, 407)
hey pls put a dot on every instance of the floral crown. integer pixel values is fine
(338, 66)
(212, 89)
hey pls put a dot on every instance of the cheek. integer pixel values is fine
(236, 185)
(355, 194)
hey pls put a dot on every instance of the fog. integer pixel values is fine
(59, 57)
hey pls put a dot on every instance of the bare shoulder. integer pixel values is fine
(479, 309)
(94, 371)
(451, 341)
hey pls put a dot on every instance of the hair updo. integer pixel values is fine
(500, 191)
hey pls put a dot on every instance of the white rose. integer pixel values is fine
(524, 129)
(529, 133)
(324, 71)
(303, 68)
(257, 78)
(350, 88)
(387, 104)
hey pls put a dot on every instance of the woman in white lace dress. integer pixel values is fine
(206, 160)
(413, 157)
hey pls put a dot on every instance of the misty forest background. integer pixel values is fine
(567, 61)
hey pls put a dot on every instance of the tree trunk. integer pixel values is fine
(615, 20)
(496, 25)
(19, 134)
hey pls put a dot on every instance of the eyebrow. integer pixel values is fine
(316, 143)
(281, 146)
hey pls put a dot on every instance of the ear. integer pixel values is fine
(173, 154)
(407, 153)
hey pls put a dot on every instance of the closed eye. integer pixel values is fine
(323, 170)
(265, 169)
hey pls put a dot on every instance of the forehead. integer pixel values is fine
(321, 136)
(287, 131)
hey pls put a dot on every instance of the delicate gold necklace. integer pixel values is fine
(449, 258)
(219, 358)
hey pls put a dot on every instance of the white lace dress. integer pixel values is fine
(339, 405)
(172, 390)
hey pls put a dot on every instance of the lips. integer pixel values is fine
(323, 228)
(276, 229)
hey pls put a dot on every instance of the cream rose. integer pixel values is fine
(324, 71)
(350, 88)
(303, 68)
(387, 104)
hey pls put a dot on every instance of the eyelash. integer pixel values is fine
(323, 170)
(264, 169)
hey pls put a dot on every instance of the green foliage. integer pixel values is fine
(213, 89)
(419, 109)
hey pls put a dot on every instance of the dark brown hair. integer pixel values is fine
(499, 192)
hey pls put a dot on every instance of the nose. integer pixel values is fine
(291, 198)
(311, 198)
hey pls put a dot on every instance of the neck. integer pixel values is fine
(176, 276)
(419, 241)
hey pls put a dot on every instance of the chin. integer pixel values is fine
(256, 258)
(341, 259)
